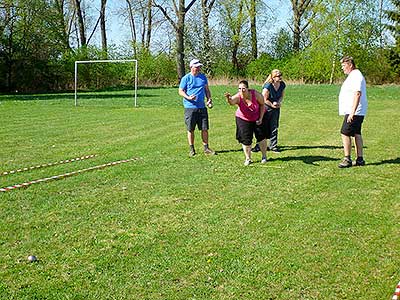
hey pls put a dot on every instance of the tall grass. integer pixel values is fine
(172, 227)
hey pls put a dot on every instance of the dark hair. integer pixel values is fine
(349, 60)
(245, 82)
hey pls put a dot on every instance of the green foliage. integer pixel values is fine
(157, 69)
(281, 44)
(393, 17)
(260, 68)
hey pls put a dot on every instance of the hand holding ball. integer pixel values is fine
(276, 104)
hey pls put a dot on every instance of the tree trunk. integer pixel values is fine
(299, 8)
(179, 27)
(237, 39)
(81, 23)
(206, 51)
(296, 33)
(64, 30)
(103, 28)
(337, 44)
(253, 29)
(149, 24)
(133, 27)
(180, 46)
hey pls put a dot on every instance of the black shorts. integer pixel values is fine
(196, 116)
(352, 128)
(246, 129)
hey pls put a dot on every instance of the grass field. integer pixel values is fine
(167, 226)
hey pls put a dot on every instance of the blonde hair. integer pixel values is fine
(274, 73)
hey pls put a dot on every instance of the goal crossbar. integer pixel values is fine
(77, 62)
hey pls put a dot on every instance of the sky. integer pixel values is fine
(119, 30)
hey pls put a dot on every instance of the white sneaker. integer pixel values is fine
(264, 160)
(248, 162)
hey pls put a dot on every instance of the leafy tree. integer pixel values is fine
(393, 17)
(206, 7)
(301, 19)
(178, 23)
(233, 23)
(29, 40)
(340, 27)
(282, 44)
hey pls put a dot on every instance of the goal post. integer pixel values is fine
(77, 62)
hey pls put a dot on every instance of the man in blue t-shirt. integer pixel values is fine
(194, 89)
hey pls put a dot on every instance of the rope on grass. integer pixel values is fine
(26, 184)
(396, 294)
(48, 164)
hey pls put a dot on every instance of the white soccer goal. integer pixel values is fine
(106, 61)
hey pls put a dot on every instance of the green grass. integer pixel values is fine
(172, 227)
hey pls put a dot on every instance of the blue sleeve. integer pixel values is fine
(205, 79)
(267, 86)
(183, 83)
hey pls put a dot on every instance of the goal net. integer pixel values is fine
(134, 70)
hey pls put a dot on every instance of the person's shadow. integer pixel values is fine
(307, 159)
(329, 147)
(386, 161)
(313, 159)
(287, 148)
(228, 151)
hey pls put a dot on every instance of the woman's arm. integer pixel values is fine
(265, 93)
(281, 98)
(232, 100)
(268, 102)
(260, 100)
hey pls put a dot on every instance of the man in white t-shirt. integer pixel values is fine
(353, 105)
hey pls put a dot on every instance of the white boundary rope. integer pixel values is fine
(396, 294)
(47, 165)
(26, 184)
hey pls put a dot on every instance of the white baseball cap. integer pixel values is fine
(195, 63)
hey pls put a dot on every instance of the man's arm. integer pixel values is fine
(208, 96)
(182, 93)
(356, 101)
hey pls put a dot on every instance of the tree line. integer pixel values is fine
(41, 39)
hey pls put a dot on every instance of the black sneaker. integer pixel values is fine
(192, 152)
(346, 163)
(256, 148)
(359, 162)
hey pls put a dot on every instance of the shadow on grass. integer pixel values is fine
(228, 151)
(307, 159)
(386, 161)
(285, 148)
(288, 148)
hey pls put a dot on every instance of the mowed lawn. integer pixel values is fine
(167, 226)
